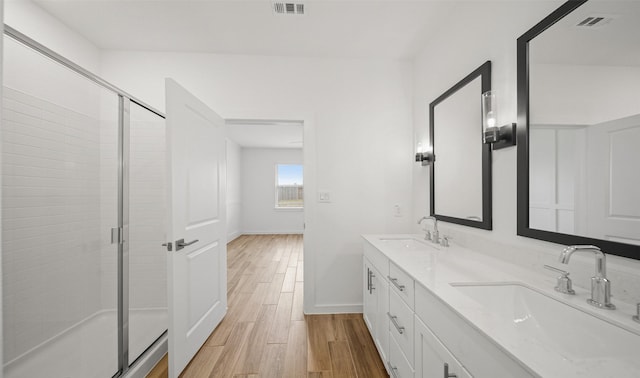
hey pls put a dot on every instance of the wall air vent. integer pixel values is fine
(288, 8)
(594, 22)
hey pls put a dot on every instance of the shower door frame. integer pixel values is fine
(120, 234)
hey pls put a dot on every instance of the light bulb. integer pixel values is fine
(491, 121)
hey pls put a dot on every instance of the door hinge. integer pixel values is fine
(117, 235)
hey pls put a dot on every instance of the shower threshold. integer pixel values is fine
(89, 348)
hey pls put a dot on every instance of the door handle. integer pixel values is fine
(181, 244)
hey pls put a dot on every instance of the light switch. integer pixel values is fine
(324, 196)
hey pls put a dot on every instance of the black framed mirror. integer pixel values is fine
(461, 172)
(579, 127)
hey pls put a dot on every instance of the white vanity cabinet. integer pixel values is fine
(376, 303)
(388, 300)
(432, 358)
(418, 335)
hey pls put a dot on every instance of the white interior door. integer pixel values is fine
(614, 180)
(197, 277)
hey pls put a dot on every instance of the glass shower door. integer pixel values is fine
(59, 202)
(148, 316)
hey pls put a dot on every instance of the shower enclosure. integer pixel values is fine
(83, 210)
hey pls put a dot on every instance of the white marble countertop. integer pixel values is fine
(437, 267)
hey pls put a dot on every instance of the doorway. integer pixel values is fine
(265, 177)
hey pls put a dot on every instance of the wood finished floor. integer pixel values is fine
(266, 334)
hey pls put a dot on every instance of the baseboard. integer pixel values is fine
(334, 309)
(293, 232)
(233, 236)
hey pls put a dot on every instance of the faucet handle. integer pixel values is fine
(435, 236)
(445, 240)
(563, 284)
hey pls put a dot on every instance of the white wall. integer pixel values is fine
(259, 215)
(29, 19)
(467, 42)
(358, 142)
(234, 190)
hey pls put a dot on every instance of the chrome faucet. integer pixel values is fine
(600, 285)
(435, 235)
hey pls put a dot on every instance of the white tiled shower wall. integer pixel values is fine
(51, 222)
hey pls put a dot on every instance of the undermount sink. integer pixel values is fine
(544, 322)
(407, 244)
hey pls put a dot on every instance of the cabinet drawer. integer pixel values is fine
(377, 258)
(401, 324)
(479, 355)
(401, 283)
(399, 367)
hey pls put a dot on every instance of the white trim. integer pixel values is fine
(288, 208)
(1, 275)
(335, 309)
(293, 232)
(233, 236)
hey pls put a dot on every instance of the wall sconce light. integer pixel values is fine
(498, 137)
(424, 155)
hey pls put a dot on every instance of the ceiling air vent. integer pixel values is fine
(288, 8)
(593, 22)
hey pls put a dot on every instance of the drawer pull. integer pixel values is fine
(395, 283)
(446, 372)
(395, 323)
(394, 371)
(370, 277)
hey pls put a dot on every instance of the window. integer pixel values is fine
(289, 189)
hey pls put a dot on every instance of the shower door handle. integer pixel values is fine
(116, 235)
(181, 244)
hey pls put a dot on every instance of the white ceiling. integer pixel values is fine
(265, 134)
(388, 29)
(330, 28)
(613, 44)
